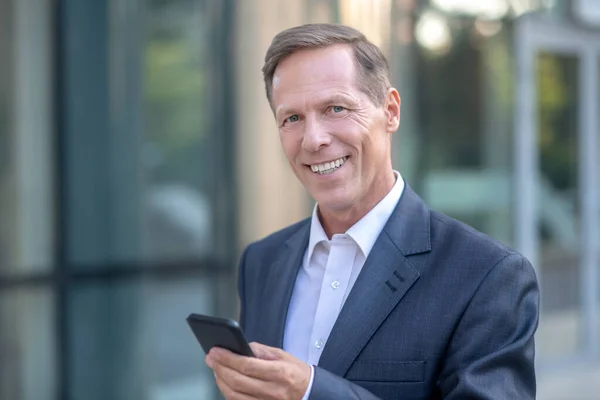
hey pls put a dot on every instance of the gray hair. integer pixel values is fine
(372, 66)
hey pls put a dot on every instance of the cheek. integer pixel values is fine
(290, 144)
(347, 132)
(373, 151)
(376, 139)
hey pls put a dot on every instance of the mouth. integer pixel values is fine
(328, 167)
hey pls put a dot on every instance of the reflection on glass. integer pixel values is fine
(5, 176)
(145, 166)
(177, 137)
(26, 165)
(178, 141)
(27, 345)
(433, 33)
(490, 9)
(131, 341)
(559, 214)
(461, 123)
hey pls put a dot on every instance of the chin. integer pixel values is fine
(337, 198)
(334, 204)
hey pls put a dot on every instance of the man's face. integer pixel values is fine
(335, 138)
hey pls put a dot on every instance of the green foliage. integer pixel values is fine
(175, 101)
(557, 117)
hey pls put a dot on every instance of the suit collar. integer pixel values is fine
(409, 226)
(279, 286)
(385, 278)
(366, 231)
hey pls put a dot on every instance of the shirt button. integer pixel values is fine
(318, 344)
(335, 284)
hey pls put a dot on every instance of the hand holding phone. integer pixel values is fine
(219, 332)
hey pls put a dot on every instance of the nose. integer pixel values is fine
(315, 135)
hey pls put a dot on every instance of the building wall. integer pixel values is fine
(270, 197)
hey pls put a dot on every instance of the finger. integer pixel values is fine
(265, 352)
(209, 360)
(222, 356)
(229, 393)
(249, 366)
(241, 384)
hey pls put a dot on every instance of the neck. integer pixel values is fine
(339, 221)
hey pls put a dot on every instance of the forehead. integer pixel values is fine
(315, 71)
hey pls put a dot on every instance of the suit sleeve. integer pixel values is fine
(327, 386)
(491, 353)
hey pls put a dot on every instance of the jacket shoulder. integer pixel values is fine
(273, 242)
(457, 235)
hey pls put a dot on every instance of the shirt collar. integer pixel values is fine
(317, 233)
(366, 231)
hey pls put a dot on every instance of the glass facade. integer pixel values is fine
(118, 203)
(146, 129)
(138, 157)
(128, 323)
(28, 343)
(558, 206)
(461, 118)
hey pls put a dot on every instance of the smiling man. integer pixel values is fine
(376, 295)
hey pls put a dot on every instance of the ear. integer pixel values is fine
(392, 110)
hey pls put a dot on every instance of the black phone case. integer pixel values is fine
(219, 332)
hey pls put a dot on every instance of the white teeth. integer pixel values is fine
(328, 167)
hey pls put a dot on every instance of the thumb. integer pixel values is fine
(265, 352)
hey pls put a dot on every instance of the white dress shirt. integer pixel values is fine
(328, 273)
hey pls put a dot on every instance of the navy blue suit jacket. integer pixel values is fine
(439, 310)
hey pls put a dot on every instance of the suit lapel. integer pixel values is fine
(385, 278)
(279, 287)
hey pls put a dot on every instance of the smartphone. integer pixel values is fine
(219, 332)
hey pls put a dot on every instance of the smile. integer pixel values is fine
(328, 167)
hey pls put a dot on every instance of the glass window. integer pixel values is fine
(27, 344)
(5, 138)
(148, 140)
(147, 192)
(179, 139)
(26, 135)
(454, 73)
(559, 195)
(130, 340)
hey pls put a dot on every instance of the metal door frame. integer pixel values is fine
(534, 33)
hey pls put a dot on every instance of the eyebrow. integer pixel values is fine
(282, 109)
(337, 98)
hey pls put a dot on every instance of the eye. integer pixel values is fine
(293, 118)
(337, 109)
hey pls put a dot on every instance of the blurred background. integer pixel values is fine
(138, 156)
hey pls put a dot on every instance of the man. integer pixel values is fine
(375, 296)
